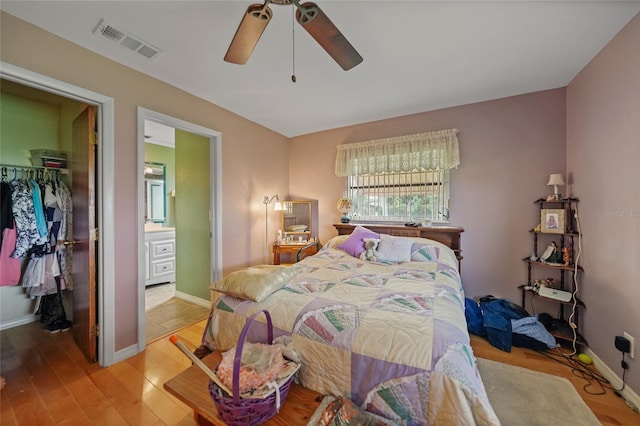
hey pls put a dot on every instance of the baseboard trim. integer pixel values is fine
(25, 319)
(197, 300)
(629, 394)
(125, 353)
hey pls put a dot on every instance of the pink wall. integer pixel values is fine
(255, 160)
(508, 148)
(603, 150)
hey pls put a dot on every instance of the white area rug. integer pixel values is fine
(156, 295)
(525, 397)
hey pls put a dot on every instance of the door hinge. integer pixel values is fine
(94, 234)
(95, 330)
(93, 138)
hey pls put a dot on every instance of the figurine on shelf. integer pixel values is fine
(533, 257)
(551, 254)
(566, 256)
(539, 283)
(536, 286)
(538, 228)
(548, 282)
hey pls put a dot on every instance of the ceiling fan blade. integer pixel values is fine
(320, 27)
(251, 27)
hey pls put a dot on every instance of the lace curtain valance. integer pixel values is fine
(424, 151)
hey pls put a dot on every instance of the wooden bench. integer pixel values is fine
(191, 387)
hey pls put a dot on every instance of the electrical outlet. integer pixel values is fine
(632, 343)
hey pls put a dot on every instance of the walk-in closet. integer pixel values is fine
(37, 208)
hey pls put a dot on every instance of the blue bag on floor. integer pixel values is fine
(473, 315)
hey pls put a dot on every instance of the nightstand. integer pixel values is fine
(294, 251)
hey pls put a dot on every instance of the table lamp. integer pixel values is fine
(277, 206)
(555, 180)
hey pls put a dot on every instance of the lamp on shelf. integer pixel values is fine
(555, 180)
(344, 206)
(277, 206)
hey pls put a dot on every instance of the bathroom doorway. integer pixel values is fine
(178, 243)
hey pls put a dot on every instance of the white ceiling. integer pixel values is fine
(418, 55)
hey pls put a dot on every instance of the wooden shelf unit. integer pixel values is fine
(564, 331)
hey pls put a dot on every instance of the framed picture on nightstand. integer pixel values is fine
(552, 221)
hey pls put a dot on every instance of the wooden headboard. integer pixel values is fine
(447, 235)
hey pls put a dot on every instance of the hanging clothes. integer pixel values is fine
(65, 232)
(6, 215)
(40, 213)
(39, 275)
(43, 266)
(25, 219)
(9, 266)
(38, 208)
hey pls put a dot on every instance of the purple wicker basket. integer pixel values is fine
(236, 411)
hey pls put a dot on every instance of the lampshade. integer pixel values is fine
(556, 179)
(277, 206)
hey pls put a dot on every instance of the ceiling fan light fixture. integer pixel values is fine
(249, 31)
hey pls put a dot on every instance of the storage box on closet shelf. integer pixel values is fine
(48, 158)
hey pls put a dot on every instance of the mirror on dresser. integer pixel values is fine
(154, 192)
(296, 220)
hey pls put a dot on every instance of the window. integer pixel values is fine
(400, 179)
(412, 196)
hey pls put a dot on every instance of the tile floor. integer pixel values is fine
(172, 315)
(155, 295)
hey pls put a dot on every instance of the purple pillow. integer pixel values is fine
(354, 244)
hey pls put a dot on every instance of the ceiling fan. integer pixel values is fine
(312, 19)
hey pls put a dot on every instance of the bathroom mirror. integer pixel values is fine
(155, 194)
(296, 219)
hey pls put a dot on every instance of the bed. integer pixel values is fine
(389, 333)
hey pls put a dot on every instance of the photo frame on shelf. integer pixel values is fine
(553, 221)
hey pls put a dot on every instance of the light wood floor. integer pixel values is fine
(50, 383)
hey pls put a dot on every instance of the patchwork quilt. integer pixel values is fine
(390, 336)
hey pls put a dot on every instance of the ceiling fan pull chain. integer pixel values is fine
(293, 44)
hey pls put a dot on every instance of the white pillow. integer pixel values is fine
(394, 249)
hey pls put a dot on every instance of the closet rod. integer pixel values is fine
(45, 168)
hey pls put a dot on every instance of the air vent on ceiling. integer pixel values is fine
(126, 39)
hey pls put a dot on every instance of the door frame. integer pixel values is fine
(215, 208)
(105, 260)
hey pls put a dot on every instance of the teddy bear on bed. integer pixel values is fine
(370, 249)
